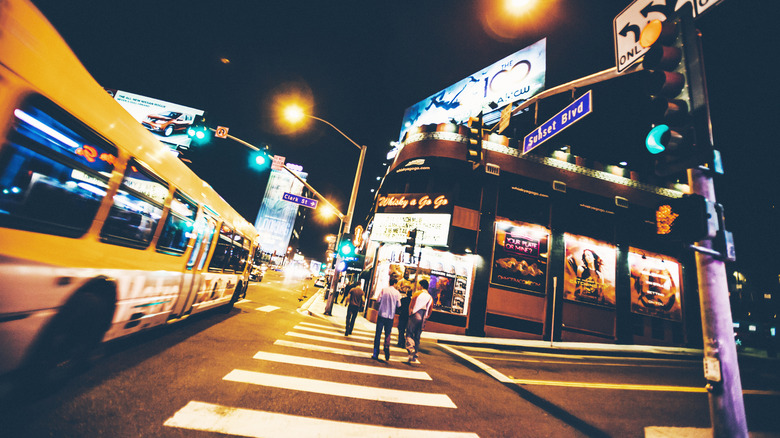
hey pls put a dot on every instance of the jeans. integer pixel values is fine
(386, 325)
(352, 312)
(413, 332)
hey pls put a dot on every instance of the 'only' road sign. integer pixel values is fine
(576, 110)
(297, 199)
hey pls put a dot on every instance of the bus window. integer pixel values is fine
(208, 238)
(137, 208)
(223, 250)
(240, 252)
(53, 171)
(178, 226)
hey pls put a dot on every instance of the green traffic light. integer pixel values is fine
(656, 138)
(260, 160)
(347, 249)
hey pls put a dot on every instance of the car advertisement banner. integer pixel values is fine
(656, 285)
(167, 121)
(517, 77)
(520, 256)
(276, 217)
(589, 274)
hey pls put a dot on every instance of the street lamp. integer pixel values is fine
(294, 114)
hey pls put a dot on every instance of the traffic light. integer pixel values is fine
(476, 133)
(346, 248)
(411, 241)
(687, 219)
(259, 160)
(199, 132)
(679, 109)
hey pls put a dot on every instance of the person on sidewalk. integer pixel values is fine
(355, 305)
(388, 300)
(419, 311)
(403, 318)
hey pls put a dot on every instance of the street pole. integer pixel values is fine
(724, 387)
(346, 223)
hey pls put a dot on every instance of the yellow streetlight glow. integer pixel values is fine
(294, 113)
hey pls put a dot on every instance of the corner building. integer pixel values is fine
(530, 246)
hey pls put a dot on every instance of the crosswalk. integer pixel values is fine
(303, 346)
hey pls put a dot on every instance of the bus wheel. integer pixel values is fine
(238, 294)
(72, 336)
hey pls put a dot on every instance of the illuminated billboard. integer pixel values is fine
(167, 121)
(517, 77)
(276, 217)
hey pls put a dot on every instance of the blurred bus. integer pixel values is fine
(104, 232)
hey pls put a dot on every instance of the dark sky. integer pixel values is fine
(365, 62)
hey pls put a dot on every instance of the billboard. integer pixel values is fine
(276, 217)
(167, 121)
(656, 285)
(520, 256)
(517, 77)
(589, 273)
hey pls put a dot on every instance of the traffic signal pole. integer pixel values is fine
(721, 368)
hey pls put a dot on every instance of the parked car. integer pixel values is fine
(168, 122)
(320, 282)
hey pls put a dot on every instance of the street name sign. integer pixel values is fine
(297, 199)
(629, 23)
(576, 110)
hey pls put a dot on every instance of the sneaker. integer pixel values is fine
(415, 361)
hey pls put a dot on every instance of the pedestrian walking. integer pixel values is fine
(403, 318)
(389, 299)
(419, 311)
(355, 305)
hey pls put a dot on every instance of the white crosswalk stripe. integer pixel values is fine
(244, 422)
(298, 345)
(366, 369)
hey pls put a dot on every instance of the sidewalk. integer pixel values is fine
(315, 306)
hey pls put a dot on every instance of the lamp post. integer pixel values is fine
(295, 114)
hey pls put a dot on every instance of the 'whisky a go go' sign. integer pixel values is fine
(628, 24)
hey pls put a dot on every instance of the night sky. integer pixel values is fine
(365, 62)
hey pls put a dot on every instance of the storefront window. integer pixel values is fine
(449, 276)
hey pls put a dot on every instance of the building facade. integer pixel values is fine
(530, 246)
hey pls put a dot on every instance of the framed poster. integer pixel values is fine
(520, 256)
(589, 273)
(656, 285)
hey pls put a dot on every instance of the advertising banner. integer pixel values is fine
(656, 285)
(589, 274)
(276, 217)
(520, 256)
(517, 77)
(433, 229)
(167, 121)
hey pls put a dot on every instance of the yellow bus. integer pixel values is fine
(104, 232)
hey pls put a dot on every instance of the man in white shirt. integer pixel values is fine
(419, 311)
(388, 300)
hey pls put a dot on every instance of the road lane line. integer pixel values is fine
(342, 341)
(341, 366)
(484, 367)
(341, 389)
(255, 424)
(325, 349)
(365, 337)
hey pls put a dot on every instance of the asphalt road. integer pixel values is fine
(266, 369)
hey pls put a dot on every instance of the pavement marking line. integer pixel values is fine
(486, 368)
(681, 363)
(340, 389)
(504, 379)
(342, 341)
(340, 330)
(254, 424)
(267, 308)
(575, 362)
(341, 366)
(243, 301)
(341, 333)
(324, 349)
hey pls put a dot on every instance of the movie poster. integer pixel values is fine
(589, 274)
(656, 285)
(441, 287)
(520, 256)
